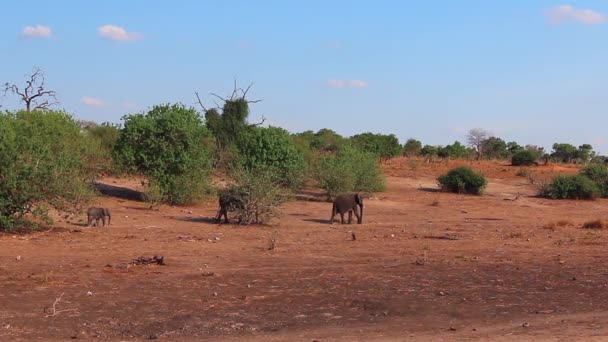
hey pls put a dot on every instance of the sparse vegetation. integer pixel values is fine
(463, 179)
(261, 192)
(594, 224)
(523, 172)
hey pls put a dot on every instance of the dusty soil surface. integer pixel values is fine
(425, 265)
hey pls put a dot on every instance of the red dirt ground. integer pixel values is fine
(425, 266)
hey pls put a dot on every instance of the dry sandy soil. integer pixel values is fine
(425, 266)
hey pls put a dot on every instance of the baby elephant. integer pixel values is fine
(347, 203)
(98, 214)
(228, 202)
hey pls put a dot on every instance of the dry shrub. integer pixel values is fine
(594, 224)
(559, 223)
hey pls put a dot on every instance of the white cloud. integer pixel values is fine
(93, 102)
(564, 13)
(128, 105)
(333, 83)
(38, 31)
(118, 33)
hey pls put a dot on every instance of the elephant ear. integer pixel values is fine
(359, 199)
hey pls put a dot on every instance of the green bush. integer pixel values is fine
(571, 187)
(169, 144)
(42, 165)
(272, 147)
(349, 170)
(523, 158)
(463, 179)
(598, 173)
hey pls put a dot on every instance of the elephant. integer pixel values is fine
(97, 214)
(228, 202)
(347, 203)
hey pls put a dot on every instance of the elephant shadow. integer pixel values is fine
(317, 220)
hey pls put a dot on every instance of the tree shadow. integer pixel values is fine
(119, 192)
(429, 189)
(210, 220)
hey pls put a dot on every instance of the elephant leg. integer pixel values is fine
(333, 214)
(357, 215)
(342, 218)
(350, 217)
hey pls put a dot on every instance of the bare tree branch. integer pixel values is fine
(259, 123)
(199, 101)
(219, 97)
(34, 89)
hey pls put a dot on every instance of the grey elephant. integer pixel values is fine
(348, 203)
(98, 214)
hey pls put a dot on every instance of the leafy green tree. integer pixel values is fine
(381, 145)
(326, 140)
(564, 153)
(42, 165)
(513, 147)
(272, 147)
(412, 147)
(494, 148)
(429, 151)
(454, 151)
(537, 152)
(169, 144)
(585, 153)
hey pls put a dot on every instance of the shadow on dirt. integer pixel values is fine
(119, 192)
(210, 220)
(313, 196)
(429, 189)
(318, 220)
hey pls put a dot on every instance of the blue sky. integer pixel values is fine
(530, 71)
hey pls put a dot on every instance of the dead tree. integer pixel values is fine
(34, 94)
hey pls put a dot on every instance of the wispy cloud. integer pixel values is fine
(128, 105)
(564, 13)
(93, 102)
(118, 34)
(334, 83)
(38, 31)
